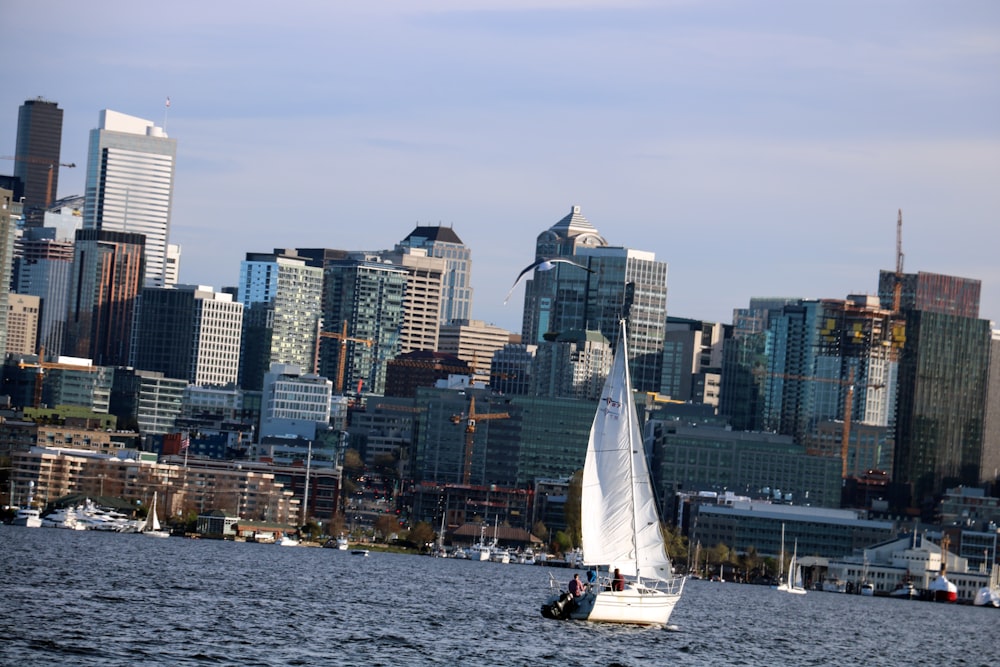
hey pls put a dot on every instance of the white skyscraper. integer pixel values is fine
(130, 183)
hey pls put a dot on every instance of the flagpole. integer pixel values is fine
(166, 108)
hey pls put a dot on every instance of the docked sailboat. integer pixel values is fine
(620, 523)
(794, 583)
(151, 525)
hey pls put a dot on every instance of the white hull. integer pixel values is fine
(795, 590)
(28, 518)
(636, 605)
(987, 597)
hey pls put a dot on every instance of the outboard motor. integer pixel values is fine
(559, 608)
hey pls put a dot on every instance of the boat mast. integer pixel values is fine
(630, 415)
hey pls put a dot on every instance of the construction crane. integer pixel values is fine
(42, 366)
(848, 406)
(470, 418)
(343, 338)
(897, 288)
(37, 160)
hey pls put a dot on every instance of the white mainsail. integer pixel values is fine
(620, 523)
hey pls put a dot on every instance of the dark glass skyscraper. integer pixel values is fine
(107, 275)
(39, 141)
(943, 373)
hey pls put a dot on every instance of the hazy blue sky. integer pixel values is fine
(761, 148)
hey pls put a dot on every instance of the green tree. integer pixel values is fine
(561, 543)
(571, 510)
(421, 534)
(386, 525)
(540, 531)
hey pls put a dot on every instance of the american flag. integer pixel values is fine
(185, 443)
(168, 102)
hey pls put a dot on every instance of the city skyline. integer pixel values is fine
(757, 150)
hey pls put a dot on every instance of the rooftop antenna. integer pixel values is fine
(166, 108)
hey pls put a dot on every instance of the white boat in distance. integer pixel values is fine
(28, 517)
(620, 522)
(151, 525)
(794, 583)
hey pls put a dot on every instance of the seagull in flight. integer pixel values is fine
(544, 264)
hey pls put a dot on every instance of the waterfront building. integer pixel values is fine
(702, 457)
(106, 279)
(912, 558)
(43, 265)
(189, 332)
(37, 155)
(943, 376)
(485, 506)
(474, 342)
(282, 302)
(130, 185)
(444, 243)
(148, 401)
(22, 323)
(692, 360)
(363, 298)
(574, 364)
(740, 524)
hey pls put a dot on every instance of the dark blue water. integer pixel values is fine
(89, 598)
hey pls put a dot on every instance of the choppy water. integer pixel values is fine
(88, 598)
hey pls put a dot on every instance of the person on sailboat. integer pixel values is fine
(618, 581)
(576, 587)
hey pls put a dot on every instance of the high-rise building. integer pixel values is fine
(990, 467)
(10, 212)
(189, 332)
(130, 185)
(22, 323)
(364, 298)
(422, 301)
(574, 365)
(607, 285)
(692, 360)
(744, 362)
(474, 342)
(294, 404)
(443, 242)
(39, 143)
(107, 276)
(42, 267)
(282, 304)
(943, 379)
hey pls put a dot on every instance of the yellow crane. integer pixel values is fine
(470, 418)
(36, 160)
(343, 338)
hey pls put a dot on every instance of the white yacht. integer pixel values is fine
(27, 517)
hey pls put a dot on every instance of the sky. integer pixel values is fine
(760, 148)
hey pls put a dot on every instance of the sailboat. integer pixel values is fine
(620, 523)
(794, 581)
(151, 524)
